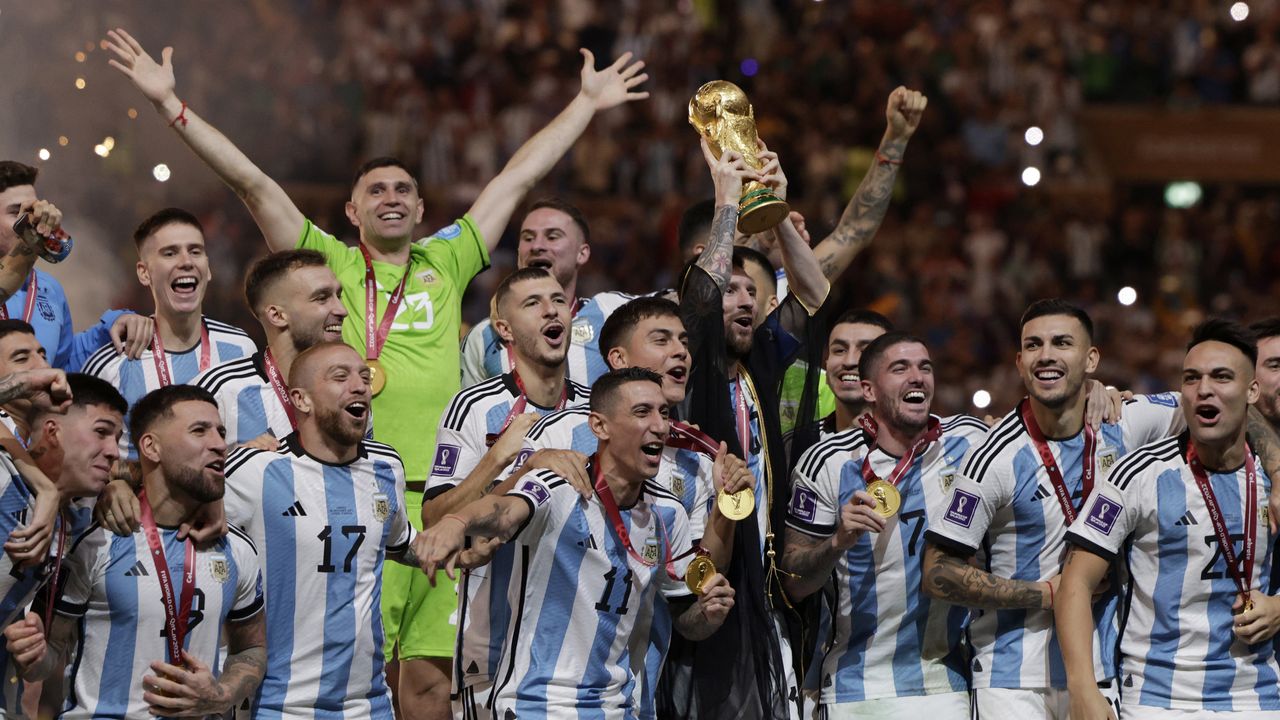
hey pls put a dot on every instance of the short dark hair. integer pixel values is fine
(87, 390)
(742, 255)
(265, 272)
(617, 329)
(862, 316)
(508, 282)
(158, 404)
(13, 325)
(16, 174)
(695, 224)
(564, 206)
(605, 389)
(1265, 328)
(381, 162)
(875, 350)
(162, 219)
(1056, 306)
(1226, 331)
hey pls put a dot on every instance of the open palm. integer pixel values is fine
(156, 81)
(611, 86)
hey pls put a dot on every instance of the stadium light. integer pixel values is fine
(101, 150)
(43, 154)
(981, 399)
(1030, 176)
(79, 83)
(161, 172)
(1034, 136)
(1183, 194)
(63, 140)
(1239, 11)
(1127, 296)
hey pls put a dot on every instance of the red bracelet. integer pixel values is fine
(886, 159)
(1050, 593)
(182, 116)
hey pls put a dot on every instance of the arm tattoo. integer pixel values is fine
(242, 672)
(717, 258)
(810, 560)
(863, 215)
(406, 557)
(952, 579)
(1263, 440)
(498, 523)
(11, 388)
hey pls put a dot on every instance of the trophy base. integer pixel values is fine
(761, 210)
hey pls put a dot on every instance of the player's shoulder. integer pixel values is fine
(965, 425)
(103, 363)
(558, 421)
(381, 451)
(660, 495)
(91, 540)
(1156, 456)
(610, 300)
(481, 332)
(997, 447)
(836, 448)
(1160, 399)
(238, 541)
(244, 456)
(217, 327)
(479, 395)
(576, 391)
(228, 375)
(540, 485)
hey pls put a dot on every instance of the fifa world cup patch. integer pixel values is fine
(1102, 517)
(804, 504)
(535, 491)
(446, 460)
(521, 457)
(219, 568)
(1166, 399)
(960, 511)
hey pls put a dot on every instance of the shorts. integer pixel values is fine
(420, 621)
(473, 702)
(1142, 712)
(1024, 703)
(942, 706)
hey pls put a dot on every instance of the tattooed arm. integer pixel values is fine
(809, 561)
(189, 688)
(1265, 442)
(1073, 615)
(14, 269)
(948, 576)
(492, 516)
(728, 172)
(866, 210)
(247, 662)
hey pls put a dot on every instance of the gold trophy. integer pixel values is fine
(721, 113)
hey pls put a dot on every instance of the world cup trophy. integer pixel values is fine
(721, 113)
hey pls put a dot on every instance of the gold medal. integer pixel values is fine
(888, 499)
(1248, 605)
(377, 375)
(699, 571)
(737, 506)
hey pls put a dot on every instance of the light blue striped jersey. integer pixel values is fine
(51, 320)
(113, 591)
(1178, 648)
(484, 356)
(324, 531)
(135, 378)
(687, 474)
(889, 640)
(468, 427)
(1002, 508)
(574, 650)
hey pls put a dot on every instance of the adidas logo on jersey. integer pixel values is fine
(1042, 492)
(138, 570)
(295, 510)
(589, 543)
(1187, 519)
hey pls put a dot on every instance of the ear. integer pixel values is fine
(599, 427)
(1254, 391)
(352, 217)
(149, 447)
(868, 392)
(422, 209)
(1017, 361)
(301, 400)
(616, 358)
(503, 328)
(51, 433)
(1091, 362)
(771, 304)
(698, 248)
(144, 277)
(276, 316)
(584, 254)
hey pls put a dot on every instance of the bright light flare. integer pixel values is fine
(1031, 176)
(981, 399)
(1034, 136)
(161, 172)
(1127, 295)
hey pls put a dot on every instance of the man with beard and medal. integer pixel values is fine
(325, 508)
(999, 545)
(142, 616)
(891, 651)
(1187, 515)
(298, 301)
(589, 567)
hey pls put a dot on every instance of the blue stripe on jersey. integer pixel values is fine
(907, 671)
(279, 569)
(1220, 676)
(1029, 521)
(251, 416)
(687, 465)
(378, 696)
(340, 589)
(850, 677)
(553, 619)
(593, 315)
(585, 441)
(499, 575)
(122, 596)
(228, 595)
(1157, 682)
(15, 505)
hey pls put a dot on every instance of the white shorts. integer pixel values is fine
(943, 706)
(1024, 703)
(1142, 712)
(472, 703)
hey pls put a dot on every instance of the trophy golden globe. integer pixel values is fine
(721, 113)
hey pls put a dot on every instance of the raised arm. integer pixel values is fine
(728, 172)
(280, 221)
(866, 209)
(601, 90)
(948, 576)
(1073, 615)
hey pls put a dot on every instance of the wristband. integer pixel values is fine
(181, 117)
(1047, 583)
(452, 516)
(879, 155)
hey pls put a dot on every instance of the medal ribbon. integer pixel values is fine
(742, 417)
(277, 384)
(615, 517)
(1242, 575)
(57, 568)
(27, 310)
(162, 363)
(933, 431)
(176, 613)
(375, 334)
(1051, 466)
(687, 437)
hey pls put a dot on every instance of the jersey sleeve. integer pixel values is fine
(473, 356)
(978, 492)
(248, 597)
(401, 528)
(457, 250)
(1148, 418)
(242, 495)
(548, 497)
(82, 565)
(1109, 515)
(458, 451)
(681, 539)
(340, 256)
(814, 508)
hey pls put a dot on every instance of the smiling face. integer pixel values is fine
(659, 344)
(901, 387)
(739, 302)
(551, 240)
(1217, 387)
(633, 429)
(190, 447)
(1057, 356)
(533, 318)
(844, 351)
(385, 206)
(1268, 375)
(333, 391)
(309, 301)
(174, 265)
(21, 351)
(89, 436)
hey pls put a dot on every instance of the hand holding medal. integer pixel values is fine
(736, 497)
(858, 516)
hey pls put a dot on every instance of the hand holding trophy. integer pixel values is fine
(721, 113)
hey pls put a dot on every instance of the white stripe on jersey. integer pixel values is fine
(135, 378)
(570, 649)
(890, 640)
(1178, 647)
(1003, 509)
(323, 530)
(112, 585)
(247, 402)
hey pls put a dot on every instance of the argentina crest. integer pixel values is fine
(219, 568)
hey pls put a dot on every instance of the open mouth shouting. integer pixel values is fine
(1207, 414)
(185, 286)
(358, 409)
(678, 374)
(652, 455)
(541, 262)
(914, 397)
(553, 333)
